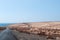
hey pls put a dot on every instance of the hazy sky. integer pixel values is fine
(15, 11)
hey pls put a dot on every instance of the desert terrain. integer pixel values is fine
(37, 30)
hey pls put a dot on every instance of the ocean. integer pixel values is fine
(5, 24)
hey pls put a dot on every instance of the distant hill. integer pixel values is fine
(52, 25)
(39, 28)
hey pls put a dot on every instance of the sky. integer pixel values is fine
(17, 11)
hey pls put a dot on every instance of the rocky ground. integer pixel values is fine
(28, 31)
(27, 36)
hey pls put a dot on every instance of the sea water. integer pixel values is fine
(5, 24)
